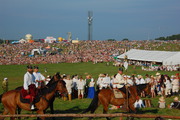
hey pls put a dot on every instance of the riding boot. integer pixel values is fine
(69, 96)
(65, 98)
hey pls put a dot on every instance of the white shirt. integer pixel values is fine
(139, 104)
(120, 80)
(142, 81)
(28, 80)
(168, 84)
(38, 77)
(69, 85)
(80, 84)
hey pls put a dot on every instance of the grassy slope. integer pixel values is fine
(15, 74)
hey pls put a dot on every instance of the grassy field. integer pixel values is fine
(15, 75)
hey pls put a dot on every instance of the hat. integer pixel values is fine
(176, 99)
(29, 67)
(161, 99)
(36, 67)
(158, 74)
(120, 69)
(101, 75)
(5, 78)
(139, 76)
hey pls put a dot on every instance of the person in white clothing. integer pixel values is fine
(139, 103)
(39, 78)
(80, 86)
(119, 79)
(69, 85)
(29, 86)
(47, 79)
(141, 79)
(101, 83)
(168, 85)
(147, 79)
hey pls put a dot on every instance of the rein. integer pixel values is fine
(45, 99)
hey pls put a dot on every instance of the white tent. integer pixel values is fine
(164, 57)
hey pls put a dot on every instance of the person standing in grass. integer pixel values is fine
(5, 85)
(91, 89)
(80, 85)
(69, 84)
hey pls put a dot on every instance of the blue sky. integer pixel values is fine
(112, 19)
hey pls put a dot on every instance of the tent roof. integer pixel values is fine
(147, 55)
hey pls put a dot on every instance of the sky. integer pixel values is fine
(112, 19)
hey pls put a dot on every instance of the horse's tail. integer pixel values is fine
(94, 103)
(1, 97)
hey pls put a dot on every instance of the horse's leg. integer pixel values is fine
(105, 109)
(12, 111)
(5, 112)
(131, 106)
(51, 105)
(40, 112)
(19, 112)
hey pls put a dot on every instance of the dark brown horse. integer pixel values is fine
(55, 78)
(144, 87)
(106, 97)
(11, 99)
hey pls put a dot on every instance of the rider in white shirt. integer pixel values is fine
(39, 78)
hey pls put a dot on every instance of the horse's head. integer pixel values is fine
(57, 76)
(61, 87)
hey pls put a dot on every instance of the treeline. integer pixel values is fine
(172, 37)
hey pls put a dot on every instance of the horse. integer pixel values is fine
(144, 87)
(11, 99)
(56, 77)
(106, 97)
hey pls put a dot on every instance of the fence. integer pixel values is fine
(120, 115)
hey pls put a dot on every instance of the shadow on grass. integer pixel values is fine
(73, 110)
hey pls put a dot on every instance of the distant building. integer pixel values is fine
(50, 39)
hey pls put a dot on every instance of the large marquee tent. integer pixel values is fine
(164, 57)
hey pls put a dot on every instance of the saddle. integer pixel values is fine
(121, 92)
(26, 98)
(118, 93)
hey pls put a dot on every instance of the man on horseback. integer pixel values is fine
(29, 87)
(39, 78)
(119, 80)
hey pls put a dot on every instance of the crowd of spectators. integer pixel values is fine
(84, 51)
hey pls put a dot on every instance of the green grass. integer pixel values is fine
(15, 75)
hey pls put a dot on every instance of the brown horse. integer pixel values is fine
(144, 87)
(106, 97)
(11, 99)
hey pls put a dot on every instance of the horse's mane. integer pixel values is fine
(48, 89)
(52, 79)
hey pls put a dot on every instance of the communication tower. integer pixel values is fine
(90, 19)
(69, 36)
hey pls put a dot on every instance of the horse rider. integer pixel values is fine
(29, 87)
(119, 81)
(39, 78)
